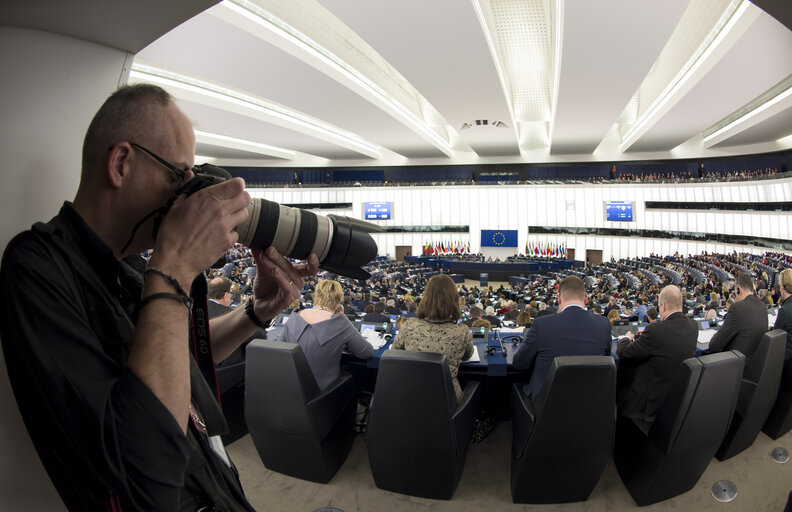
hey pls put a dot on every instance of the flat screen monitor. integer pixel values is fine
(377, 211)
(364, 327)
(619, 211)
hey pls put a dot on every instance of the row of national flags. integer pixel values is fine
(446, 247)
(545, 249)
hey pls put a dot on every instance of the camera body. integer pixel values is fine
(343, 245)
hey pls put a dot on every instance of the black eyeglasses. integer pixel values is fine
(180, 173)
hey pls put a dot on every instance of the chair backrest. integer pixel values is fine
(765, 365)
(413, 393)
(576, 406)
(696, 413)
(278, 378)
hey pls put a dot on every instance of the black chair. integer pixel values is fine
(758, 392)
(231, 382)
(417, 433)
(298, 429)
(563, 439)
(663, 459)
(779, 421)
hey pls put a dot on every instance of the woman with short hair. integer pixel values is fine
(323, 334)
(436, 329)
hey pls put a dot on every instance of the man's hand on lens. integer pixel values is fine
(278, 282)
(199, 229)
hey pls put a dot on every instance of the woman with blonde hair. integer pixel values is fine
(323, 334)
(613, 315)
(436, 329)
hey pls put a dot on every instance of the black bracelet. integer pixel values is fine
(251, 313)
(170, 279)
(154, 296)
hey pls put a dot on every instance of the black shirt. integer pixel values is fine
(66, 327)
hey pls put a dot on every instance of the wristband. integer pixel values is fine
(154, 296)
(251, 314)
(171, 280)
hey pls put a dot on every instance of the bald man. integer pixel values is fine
(98, 353)
(648, 362)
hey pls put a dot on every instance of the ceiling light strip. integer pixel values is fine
(243, 144)
(558, 28)
(287, 32)
(726, 23)
(499, 68)
(196, 86)
(772, 97)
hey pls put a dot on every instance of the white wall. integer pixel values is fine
(51, 87)
(520, 206)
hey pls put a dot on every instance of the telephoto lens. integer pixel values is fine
(343, 245)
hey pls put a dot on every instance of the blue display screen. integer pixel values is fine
(377, 211)
(619, 211)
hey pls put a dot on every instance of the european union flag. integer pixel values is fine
(499, 238)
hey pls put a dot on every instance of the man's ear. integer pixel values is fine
(118, 163)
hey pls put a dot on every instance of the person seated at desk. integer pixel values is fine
(436, 329)
(475, 314)
(784, 321)
(479, 323)
(489, 315)
(573, 331)
(649, 361)
(745, 324)
(613, 316)
(651, 315)
(323, 334)
(714, 302)
(377, 316)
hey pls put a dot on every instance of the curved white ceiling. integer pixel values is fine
(376, 82)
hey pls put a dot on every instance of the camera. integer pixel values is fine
(343, 245)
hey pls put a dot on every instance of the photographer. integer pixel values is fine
(98, 354)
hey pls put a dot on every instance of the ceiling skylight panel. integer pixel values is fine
(525, 41)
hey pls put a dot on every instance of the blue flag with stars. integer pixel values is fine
(499, 238)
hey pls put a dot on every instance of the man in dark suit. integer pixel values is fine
(649, 361)
(376, 316)
(745, 323)
(219, 297)
(571, 332)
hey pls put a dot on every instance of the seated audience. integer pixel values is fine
(571, 332)
(613, 316)
(436, 328)
(323, 335)
(649, 361)
(651, 315)
(745, 324)
(412, 309)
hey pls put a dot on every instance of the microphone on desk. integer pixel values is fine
(500, 341)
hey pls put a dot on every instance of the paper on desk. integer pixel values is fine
(705, 336)
(373, 337)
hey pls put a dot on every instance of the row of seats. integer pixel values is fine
(418, 433)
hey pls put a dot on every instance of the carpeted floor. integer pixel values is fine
(762, 484)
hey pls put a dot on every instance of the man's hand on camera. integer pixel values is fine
(198, 229)
(278, 282)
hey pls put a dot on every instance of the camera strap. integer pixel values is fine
(202, 344)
